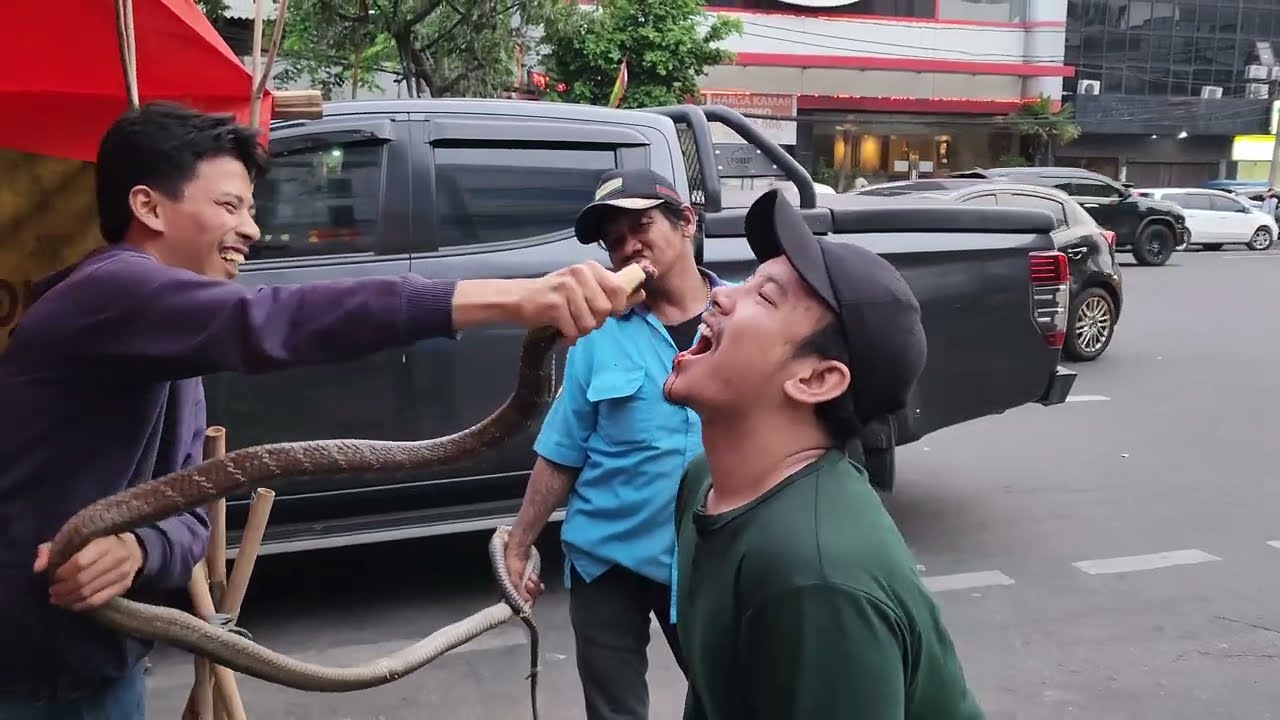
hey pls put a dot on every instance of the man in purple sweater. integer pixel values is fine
(100, 385)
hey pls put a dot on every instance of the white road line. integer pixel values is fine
(1087, 398)
(1144, 562)
(1274, 543)
(1249, 255)
(965, 581)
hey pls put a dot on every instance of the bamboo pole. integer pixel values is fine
(255, 103)
(215, 445)
(225, 695)
(214, 695)
(250, 540)
(261, 72)
(128, 50)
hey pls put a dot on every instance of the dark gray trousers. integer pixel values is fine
(610, 617)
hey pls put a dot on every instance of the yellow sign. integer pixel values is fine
(1252, 148)
(48, 220)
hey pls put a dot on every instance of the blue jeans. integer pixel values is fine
(125, 699)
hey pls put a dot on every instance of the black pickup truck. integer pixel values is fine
(490, 188)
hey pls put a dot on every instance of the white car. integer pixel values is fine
(1216, 218)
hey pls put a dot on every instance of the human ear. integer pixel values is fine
(819, 382)
(145, 205)
(688, 221)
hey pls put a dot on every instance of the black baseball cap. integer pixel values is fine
(878, 313)
(633, 189)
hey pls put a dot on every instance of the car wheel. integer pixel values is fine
(1093, 322)
(1261, 239)
(1154, 246)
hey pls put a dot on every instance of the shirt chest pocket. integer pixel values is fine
(625, 411)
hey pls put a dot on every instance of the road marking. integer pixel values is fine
(1144, 562)
(1249, 255)
(964, 581)
(1087, 398)
(1274, 543)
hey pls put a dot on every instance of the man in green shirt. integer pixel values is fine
(797, 598)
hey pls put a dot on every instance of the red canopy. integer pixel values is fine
(61, 82)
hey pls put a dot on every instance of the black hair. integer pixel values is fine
(159, 145)
(837, 415)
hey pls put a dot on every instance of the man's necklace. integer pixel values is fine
(707, 282)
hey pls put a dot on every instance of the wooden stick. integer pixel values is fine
(128, 60)
(227, 694)
(215, 445)
(209, 579)
(200, 701)
(255, 103)
(277, 36)
(255, 527)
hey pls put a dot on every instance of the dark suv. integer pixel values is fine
(1152, 229)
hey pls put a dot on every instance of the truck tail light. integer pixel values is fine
(1050, 294)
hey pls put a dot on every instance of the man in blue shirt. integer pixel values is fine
(615, 448)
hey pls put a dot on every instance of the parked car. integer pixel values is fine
(1151, 229)
(464, 188)
(1216, 218)
(1097, 292)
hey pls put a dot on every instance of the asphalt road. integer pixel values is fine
(1104, 559)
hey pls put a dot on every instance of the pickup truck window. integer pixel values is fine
(320, 201)
(487, 194)
(1035, 202)
(1082, 187)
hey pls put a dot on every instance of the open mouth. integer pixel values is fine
(705, 343)
(233, 256)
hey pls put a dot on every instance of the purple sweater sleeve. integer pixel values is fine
(171, 547)
(146, 319)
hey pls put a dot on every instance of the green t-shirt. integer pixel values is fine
(805, 604)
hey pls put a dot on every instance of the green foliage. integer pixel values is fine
(444, 47)
(1038, 120)
(326, 54)
(212, 9)
(668, 45)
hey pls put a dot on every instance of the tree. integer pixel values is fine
(328, 55)
(443, 47)
(1044, 128)
(668, 45)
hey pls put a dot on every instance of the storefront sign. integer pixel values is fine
(1252, 148)
(782, 132)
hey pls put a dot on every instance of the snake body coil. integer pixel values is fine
(265, 465)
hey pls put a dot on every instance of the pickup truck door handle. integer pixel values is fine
(1076, 253)
(1090, 205)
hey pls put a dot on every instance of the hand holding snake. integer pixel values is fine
(267, 465)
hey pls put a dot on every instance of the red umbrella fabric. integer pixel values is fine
(62, 84)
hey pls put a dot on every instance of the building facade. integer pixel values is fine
(1172, 92)
(891, 89)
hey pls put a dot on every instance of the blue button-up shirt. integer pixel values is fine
(611, 420)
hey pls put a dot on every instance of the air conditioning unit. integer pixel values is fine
(1210, 91)
(1257, 90)
(1257, 72)
(1088, 87)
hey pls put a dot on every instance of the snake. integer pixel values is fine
(263, 465)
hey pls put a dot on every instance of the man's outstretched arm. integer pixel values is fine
(146, 320)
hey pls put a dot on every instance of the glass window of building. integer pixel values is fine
(1167, 47)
